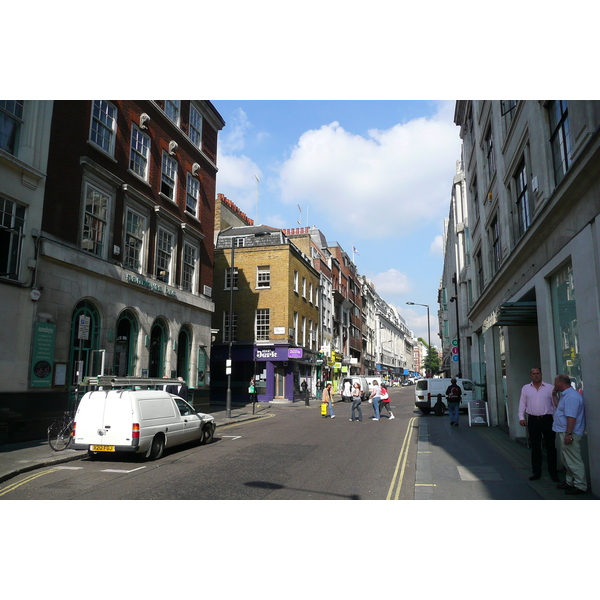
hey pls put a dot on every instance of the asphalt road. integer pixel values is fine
(290, 453)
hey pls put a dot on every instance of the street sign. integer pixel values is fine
(84, 328)
(455, 342)
(454, 350)
(455, 358)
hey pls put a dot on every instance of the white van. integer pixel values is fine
(427, 390)
(137, 421)
(361, 380)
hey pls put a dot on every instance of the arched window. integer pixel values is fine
(85, 336)
(125, 361)
(159, 335)
(184, 348)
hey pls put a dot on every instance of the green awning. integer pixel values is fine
(517, 313)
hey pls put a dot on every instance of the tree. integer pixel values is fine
(432, 360)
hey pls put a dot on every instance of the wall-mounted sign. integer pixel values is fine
(42, 356)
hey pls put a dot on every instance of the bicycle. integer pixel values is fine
(60, 433)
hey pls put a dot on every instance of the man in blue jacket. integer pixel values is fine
(569, 424)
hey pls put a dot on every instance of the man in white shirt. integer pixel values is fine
(536, 402)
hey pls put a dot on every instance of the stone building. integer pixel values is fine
(530, 279)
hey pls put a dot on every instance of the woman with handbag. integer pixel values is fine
(356, 400)
(385, 402)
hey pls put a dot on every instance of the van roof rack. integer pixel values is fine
(143, 382)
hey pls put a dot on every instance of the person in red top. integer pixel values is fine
(536, 402)
(385, 402)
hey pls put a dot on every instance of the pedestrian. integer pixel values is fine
(454, 397)
(328, 399)
(536, 402)
(347, 391)
(319, 388)
(385, 402)
(356, 400)
(180, 389)
(375, 398)
(252, 391)
(569, 424)
(304, 388)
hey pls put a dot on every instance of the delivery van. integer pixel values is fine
(361, 380)
(139, 421)
(427, 391)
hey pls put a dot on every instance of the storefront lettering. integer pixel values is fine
(154, 287)
(266, 354)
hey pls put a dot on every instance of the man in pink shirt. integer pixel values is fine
(536, 401)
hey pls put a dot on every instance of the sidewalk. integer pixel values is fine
(477, 463)
(27, 456)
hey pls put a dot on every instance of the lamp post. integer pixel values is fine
(428, 324)
(455, 300)
(228, 364)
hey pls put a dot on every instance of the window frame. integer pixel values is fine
(173, 109)
(101, 124)
(226, 329)
(106, 229)
(195, 183)
(135, 153)
(165, 176)
(15, 234)
(495, 244)
(192, 127)
(142, 239)
(8, 113)
(227, 280)
(560, 132)
(193, 280)
(523, 197)
(263, 277)
(160, 260)
(263, 323)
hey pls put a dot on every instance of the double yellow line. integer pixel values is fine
(14, 486)
(401, 464)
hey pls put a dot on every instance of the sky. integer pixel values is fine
(373, 176)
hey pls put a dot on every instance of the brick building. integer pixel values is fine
(125, 262)
(268, 290)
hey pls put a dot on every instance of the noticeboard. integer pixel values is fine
(478, 413)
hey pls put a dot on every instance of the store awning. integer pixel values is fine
(517, 313)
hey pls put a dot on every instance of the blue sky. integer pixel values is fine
(374, 175)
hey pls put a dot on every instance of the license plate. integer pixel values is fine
(102, 448)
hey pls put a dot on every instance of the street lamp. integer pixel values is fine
(228, 365)
(428, 324)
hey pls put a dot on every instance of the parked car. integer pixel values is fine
(137, 421)
(362, 381)
(427, 391)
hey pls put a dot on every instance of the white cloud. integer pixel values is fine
(391, 283)
(395, 178)
(437, 246)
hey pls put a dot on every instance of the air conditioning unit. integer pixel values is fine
(207, 291)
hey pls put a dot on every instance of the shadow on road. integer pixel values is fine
(269, 485)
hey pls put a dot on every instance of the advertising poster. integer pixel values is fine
(42, 355)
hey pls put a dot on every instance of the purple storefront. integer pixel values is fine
(277, 372)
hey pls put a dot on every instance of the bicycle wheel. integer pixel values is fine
(59, 435)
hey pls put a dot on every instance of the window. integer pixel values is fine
(193, 193)
(304, 287)
(475, 197)
(479, 270)
(303, 330)
(489, 151)
(262, 323)
(310, 293)
(523, 209)
(135, 227)
(228, 279)
(189, 267)
(296, 281)
(139, 153)
(195, 133)
(95, 221)
(560, 138)
(263, 277)
(295, 328)
(11, 119)
(172, 110)
(164, 255)
(496, 248)
(104, 125)
(226, 329)
(12, 220)
(168, 176)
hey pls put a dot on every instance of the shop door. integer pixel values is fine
(279, 382)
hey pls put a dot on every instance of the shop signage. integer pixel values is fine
(478, 413)
(150, 285)
(42, 356)
(294, 352)
(282, 353)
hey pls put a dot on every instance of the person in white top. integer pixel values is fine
(536, 402)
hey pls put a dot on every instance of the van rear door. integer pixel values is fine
(117, 420)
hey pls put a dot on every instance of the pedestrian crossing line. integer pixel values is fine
(402, 459)
(425, 485)
(14, 486)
